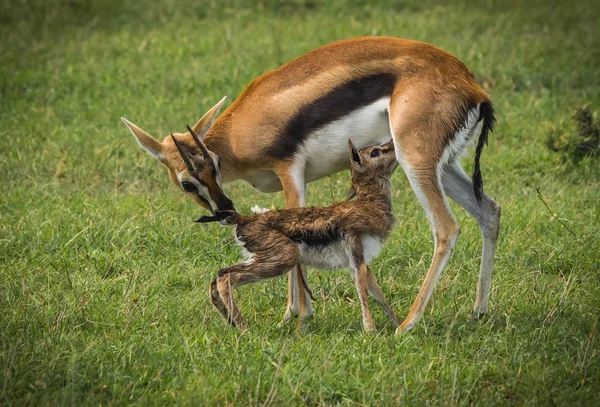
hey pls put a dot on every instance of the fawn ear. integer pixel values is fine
(148, 143)
(354, 156)
(207, 120)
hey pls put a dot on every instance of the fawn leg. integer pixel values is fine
(266, 263)
(359, 274)
(302, 301)
(376, 292)
(241, 274)
(215, 297)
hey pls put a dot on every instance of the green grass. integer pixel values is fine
(103, 276)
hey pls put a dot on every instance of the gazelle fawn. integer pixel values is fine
(290, 126)
(346, 234)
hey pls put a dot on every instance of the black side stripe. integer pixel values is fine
(336, 104)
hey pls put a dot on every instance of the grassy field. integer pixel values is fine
(103, 276)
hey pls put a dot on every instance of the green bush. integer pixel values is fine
(580, 139)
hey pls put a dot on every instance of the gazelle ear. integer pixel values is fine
(148, 143)
(354, 156)
(207, 120)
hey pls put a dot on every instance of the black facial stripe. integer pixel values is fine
(203, 199)
(338, 103)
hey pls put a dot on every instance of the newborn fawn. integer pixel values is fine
(346, 234)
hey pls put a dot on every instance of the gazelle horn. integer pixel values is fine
(187, 162)
(200, 144)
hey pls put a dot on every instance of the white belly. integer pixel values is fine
(263, 180)
(332, 256)
(325, 151)
(337, 254)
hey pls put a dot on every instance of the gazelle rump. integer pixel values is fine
(347, 234)
(290, 126)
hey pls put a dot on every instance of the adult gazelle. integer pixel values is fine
(291, 126)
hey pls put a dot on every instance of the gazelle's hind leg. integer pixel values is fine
(445, 231)
(420, 143)
(459, 187)
(376, 292)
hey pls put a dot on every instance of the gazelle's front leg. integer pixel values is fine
(294, 189)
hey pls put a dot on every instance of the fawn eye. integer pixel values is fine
(375, 153)
(189, 187)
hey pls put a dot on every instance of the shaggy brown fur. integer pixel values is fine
(342, 235)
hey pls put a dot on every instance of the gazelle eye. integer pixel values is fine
(375, 153)
(189, 187)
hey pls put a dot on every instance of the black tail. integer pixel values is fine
(486, 113)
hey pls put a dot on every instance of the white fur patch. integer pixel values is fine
(215, 161)
(371, 247)
(462, 139)
(298, 174)
(331, 256)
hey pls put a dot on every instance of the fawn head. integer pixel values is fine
(371, 165)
